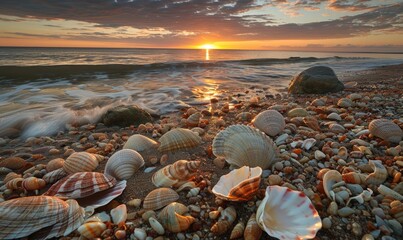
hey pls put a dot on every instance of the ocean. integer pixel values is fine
(44, 90)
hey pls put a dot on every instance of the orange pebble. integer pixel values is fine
(342, 138)
(91, 150)
(297, 151)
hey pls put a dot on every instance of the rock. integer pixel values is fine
(125, 116)
(319, 79)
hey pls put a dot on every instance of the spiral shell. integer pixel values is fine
(221, 227)
(379, 175)
(140, 143)
(92, 230)
(242, 145)
(80, 162)
(14, 163)
(11, 176)
(172, 174)
(193, 120)
(270, 121)
(386, 130)
(178, 138)
(54, 176)
(159, 198)
(252, 229)
(353, 177)
(15, 183)
(54, 164)
(123, 164)
(237, 231)
(33, 183)
(171, 217)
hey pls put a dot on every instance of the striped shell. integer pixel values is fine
(270, 121)
(252, 229)
(80, 162)
(92, 230)
(140, 143)
(14, 163)
(80, 185)
(15, 183)
(228, 216)
(123, 164)
(297, 112)
(237, 231)
(10, 176)
(178, 138)
(172, 219)
(33, 183)
(172, 174)
(54, 176)
(193, 120)
(104, 197)
(239, 185)
(287, 214)
(386, 129)
(345, 102)
(22, 217)
(242, 145)
(159, 198)
(353, 177)
(379, 175)
(54, 164)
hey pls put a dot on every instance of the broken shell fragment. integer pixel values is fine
(330, 178)
(379, 175)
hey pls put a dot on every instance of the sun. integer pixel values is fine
(207, 46)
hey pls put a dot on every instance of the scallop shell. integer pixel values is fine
(123, 164)
(171, 217)
(275, 217)
(22, 217)
(193, 120)
(54, 176)
(82, 184)
(178, 138)
(252, 229)
(239, 185)
(80, 162)
(159, 198)
(140, 143)
(386, 130)
(270, 121)
(54, 164)
(297, 112)
(329, 179)
(92, 230)
(242, 145)
(33, 183)
(172, 174)
(312, 123)
(379, 175)
(14, 163)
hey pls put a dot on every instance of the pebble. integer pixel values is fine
(378, 212)
(356, 229)
(134, 203)
(156, 225)
(326, 223)
(139, 233)
(367, 237)
(274, 180)
(345, 212)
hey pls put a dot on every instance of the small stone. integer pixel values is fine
(278, 166)
(378, 212)
(367, 237)
(345, 212)
(134, 203)
(274, 180)
(356, 229)
(219, 162)
(156, 225)
(326, 223)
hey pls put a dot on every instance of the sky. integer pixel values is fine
(306, 25)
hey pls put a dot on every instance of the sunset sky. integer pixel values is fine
(334, 25)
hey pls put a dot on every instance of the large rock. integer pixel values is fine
(318, 79)
(125, 116)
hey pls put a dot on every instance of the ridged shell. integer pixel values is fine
(252, 229)
(172, 174)
(379, 175)
(297, 112)
(311, 122)
(80, 162)
(54, 176)
(82, 184)
(123, 164)
(193, 120)
(54, 164)
(270, 121)
(287, 214)
(92, 230)
(140, 143)
(11, 176)
(22, 217)
(14, 163)
(221, 227)
(33, 183)
(159, 198)
(15, 183)
(329, 179)
(178, 138)
(104, 197)
(239, 185)
(242, 145)
(237, 231)
(386, 130)
(171, 217)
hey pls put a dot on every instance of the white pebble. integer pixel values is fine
(326, 223)
(156, 226)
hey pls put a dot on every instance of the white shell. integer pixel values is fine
(329, 179)
(123, 164)
(379, 175)
(140, 143)
(386, 130)
(119, 214)
(178, 138)
(270, 121)
(80, 162)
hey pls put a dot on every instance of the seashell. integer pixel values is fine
(5, 171)
(386, 129)
(312, 123)
(238, 230)
(193, 192)
(308, 143)
(103, 197)
(354, 96)
(187, 185)
(334, 116)
(14, 163)
(353, 177)
(336, 128)
(140, 143)
(275, 218)
(362, 197)
(244, 116)
(270, 122)
(159, 198)
(15, 183)
(239, 185)
(171, 217)
(81, 184)
(11, 176)
(173, 174)
(54, 164)
(156, 226)
(329, 179)
(54, 176)
(33, 183)
(379, 175)
(24, 216)
(123, 164)
(221, 227)
(342, 153)
(318, 102)
(119, 215)
(229, 214)
(92, 230)
(281, 139)
(178, 138)
(385, 191)
(80, 162)
(344, 103)
(242, 145)
(252, 229)
(193, 120)
(99, 217)
(297, 112)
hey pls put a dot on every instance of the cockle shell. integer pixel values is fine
(80, 162)
(178, 138)
(22, 217)
(54, 164)
(172, 174)
(242, 145)
(119, 214)
(92, 230)
(386, 130)
(123, 164)
(239, 185)
(270, 121)
(173, 219)
(275, 217)
(33, 183)
(140, 143)
(252, 229)
(54, 176)
(329, 179)
(193, 120)
(14, 163)
(379, 175)
(159, 198)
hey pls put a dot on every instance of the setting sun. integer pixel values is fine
(208, 46)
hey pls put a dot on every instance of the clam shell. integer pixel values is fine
(386, 130)
(178, 138)
(54, 164)
(80, 162)
(140, 143)
(252, 229)
(297, 112)
(329, 179)
(123, 164)
(242, 145)
(159, 198)
(174, 173)
(270, 121)
(14, 163)
(239, 185)
(193, 120)
(171, 217)
(92, 230)
(275, 217)
(33, 183)
(54, 176)
(379, 175)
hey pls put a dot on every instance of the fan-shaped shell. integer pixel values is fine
(80, 162)
(172, 174)
(287, 214)
(140, 143)
(386, 130)
(239, 185)
(178, 138)
(14, 163)
(54, 176)
(379, 175)
(159, 198)
(82, 184)
(171, 217)
(297, 112)
(33, 183)
(193, 120)
(54, 164)
(242, 145)
(270, 121)
(123, 164)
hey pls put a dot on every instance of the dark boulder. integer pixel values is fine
(124, 116)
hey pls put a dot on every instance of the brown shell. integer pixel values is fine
(15, 183)
(193, 120)
(178, 138)
(14, 163)
(172, 219)
(11, 176)
(237, 231)
(159, 198)
(353, 177)
(174, 173)
(54, 176)
(54, 164)
(386, 129)
(80, 162)
(221, 227)
(33, 183)
(252, 229)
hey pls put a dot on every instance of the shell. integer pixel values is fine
(276, 219)
(344, 103)
(54, 176)
(221, 227)
(312, 122)
(239, 185)
(172, 174)
(242, 145)
(11, 176)
(54, 164)
(228, 214)
(82, 184)
(329, 179)
(379, 175)
(193, 120)
(119, 214)
(80, 162)
(14, 163)
(386, 130)
(104, 197)
(334, 116)
(140, 143)
(252, 229)
(308, 143)
(297, 112)
(33, 183)
(336, 128)
(385, 191)
(22, 217)
(171, 217)
(159, 198)
(123, 164)
(270, 121)
(353, 177)
(178, 138)
(237, 231)
(92, 230)
(15, 183)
